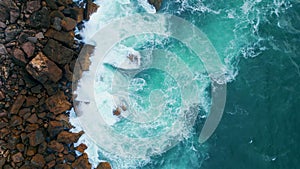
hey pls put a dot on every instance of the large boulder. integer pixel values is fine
(43, 69)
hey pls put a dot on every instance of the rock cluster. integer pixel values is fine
(37, 56)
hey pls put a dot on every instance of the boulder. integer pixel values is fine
(18, 157)
(91, 7)
(56, 146)
(53, 50)
(65, 37)
(68, 23)
(103, 165)
(82, 163)
(68, 137)
(17, 104)
(28, 48)
(38, 161)
(39, 19)
(43, 69)
(58, 103)
(32, 6)
(19, 56)
(36, 138)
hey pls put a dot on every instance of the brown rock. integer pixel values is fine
(43, 69)
(68, 23)
(62, 166)
(51, 164)
(15, 121)
(2, 161)
(32, 6)
(103, 165)
(77, 14)
(81, 163)
(31, 100)
(17, 104)
(70, 157)
(54, 49)
(36, 138)
(40, 19)
(28, 48)
(91, 7)
(2, 96)
(54, 128)
(68, 138)
(18, 54)
(56, 146)
(17, 157)
(81, 148)
(57, 13)
(20, 147)
(155, 3)
(38, 161)
(64, 37)
(58, 103)
(32, 119)
(31, 151)
(31, 127)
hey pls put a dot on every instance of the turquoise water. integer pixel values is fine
(258, 41)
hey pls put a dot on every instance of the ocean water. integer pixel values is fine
(258, 43)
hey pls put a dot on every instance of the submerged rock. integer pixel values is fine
(155, 3)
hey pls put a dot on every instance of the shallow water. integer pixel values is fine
(257, 41)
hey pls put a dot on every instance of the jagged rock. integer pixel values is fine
(54, 49)
(81, 163)
(28, 48)
(43, 69)
(103, 165)
(38, 161)
(54, 128)
(57, 13)
(17, 104)
(2, 161)
(2, 96)
(68, 23)
(9, 10)
(64, 37)
(56, 23)
(31, 100)
(155, 3)
(51, 4)
(36, 138)
(62, 166)
(77, 14)
(91, 7)
(20, 147)
(58, 103)
(32, 6)
(15, 121)
(68, 138)
(18, 55)
(11, 32)
(81, 148)
(2, 24)
(32, 119)
(18, 157)
(40, 19)
(40, 35)
(56, 146)
(3, 50)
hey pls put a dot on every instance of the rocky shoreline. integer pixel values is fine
(38, 53)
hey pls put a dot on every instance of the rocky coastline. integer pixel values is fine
(38, 52)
